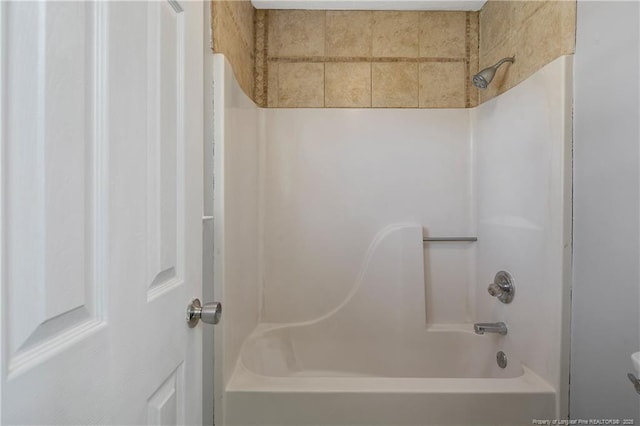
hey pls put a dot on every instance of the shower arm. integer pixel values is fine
(503, 60)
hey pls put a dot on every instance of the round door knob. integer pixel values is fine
(209, 312)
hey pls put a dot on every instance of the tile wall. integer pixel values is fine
(387, 59)
(233, 34)
(536, 32)
(363, 59)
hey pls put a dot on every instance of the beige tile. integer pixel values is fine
(259, 85)
(394, 85)
(261, 29)
(298, 33)
(442, 85)
(539, 42)
(522, 10)
(300, 85)
(348, 85)
(568, 27)
(260, 67)
(272, 33)
(243, 14)
(473, 63)
(272, 84)
(474, 95)
(395, 34)
(222, 26)
(215, 24)
(442, 34)
(348, 33)
(228, 41)
(244, 71)
(488, 57)
(495, 23)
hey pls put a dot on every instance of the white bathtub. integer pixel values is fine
(447, 378)
(374, 361)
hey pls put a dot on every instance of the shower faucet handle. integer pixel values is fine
(494, 290)
(502, 287)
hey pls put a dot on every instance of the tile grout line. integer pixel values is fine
(324, 64)
(419, 51)
(265, 64)
(371, 62)
(258, 71)
(417, 98)
(467, 68)
(352, 59)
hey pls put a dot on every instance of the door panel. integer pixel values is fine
(166, 405)
(101, 180)
(52, 162)
(166, 146)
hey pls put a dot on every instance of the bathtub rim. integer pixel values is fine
(244, 380)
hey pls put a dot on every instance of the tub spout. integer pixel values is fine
(490, 327)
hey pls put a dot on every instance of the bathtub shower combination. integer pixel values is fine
(338, 312)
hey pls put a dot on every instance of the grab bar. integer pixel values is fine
(448, 239)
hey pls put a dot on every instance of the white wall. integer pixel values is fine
(522, 141)
(334, 178)
(236, 265)
(605, 323)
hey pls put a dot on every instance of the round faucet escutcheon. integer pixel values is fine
(502, 287)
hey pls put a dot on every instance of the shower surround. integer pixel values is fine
(337, 313)
(408, 59)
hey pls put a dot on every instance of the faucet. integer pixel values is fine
(490, 327)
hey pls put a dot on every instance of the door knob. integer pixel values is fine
(209, 312)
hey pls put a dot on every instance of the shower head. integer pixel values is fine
(484, 77)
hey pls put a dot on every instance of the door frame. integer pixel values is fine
(208, 405)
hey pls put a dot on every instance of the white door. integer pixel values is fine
(101, 189)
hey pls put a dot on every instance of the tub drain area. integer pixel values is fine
(501, 358)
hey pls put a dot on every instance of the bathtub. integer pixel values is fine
(450, 377)
(373, 360)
